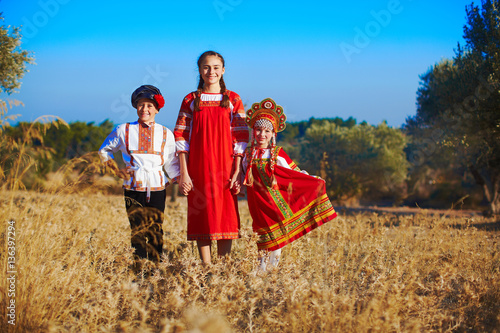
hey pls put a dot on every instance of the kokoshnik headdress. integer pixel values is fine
(268, 110)
(264, 114)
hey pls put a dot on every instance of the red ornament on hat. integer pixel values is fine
(159, 100)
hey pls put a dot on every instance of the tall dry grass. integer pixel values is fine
(359, 273)
(363, 272)
(20, 156)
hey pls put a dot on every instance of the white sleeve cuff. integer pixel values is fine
(239, 148)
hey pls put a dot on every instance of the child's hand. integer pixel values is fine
(185, 184)
(125, 173)
(236, 188)
(112, 165)
(122, 173)
(235, 183)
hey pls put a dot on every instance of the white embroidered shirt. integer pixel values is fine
(147, 151)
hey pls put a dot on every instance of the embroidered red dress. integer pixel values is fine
(211, 136)
(298, 206)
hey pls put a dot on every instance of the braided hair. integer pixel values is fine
(249, 155)
(272, 162)
(225, 97)
(261, 123)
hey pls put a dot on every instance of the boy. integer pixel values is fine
(147, 149)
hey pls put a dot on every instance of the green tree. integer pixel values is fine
(360, 161)
(15, 157)
(19, 154)
(13, 60)
(457, 103)
(297, 130)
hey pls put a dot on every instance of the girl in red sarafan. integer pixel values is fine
(285, 203)
(211, 136)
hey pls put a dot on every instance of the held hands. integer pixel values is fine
(185, 184)
(235, 182)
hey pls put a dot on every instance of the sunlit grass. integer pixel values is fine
(358, 273)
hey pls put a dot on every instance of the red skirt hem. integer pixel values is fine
(213, 236)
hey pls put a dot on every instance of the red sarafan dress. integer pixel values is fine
(297, 206)
(212, 137)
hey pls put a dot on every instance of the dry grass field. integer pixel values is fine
(362, 272)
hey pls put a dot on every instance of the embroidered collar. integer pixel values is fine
(145, 125)
(260, 152)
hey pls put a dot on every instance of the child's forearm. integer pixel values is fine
(234, 181)
(237, 164)
(183, 163)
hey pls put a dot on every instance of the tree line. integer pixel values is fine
(361, 163)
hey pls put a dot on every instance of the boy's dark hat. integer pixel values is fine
(150, 92)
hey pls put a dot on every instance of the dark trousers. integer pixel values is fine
(146, 219)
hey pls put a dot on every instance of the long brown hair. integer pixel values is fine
(225, 97)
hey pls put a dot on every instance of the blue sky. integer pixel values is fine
(359, 59)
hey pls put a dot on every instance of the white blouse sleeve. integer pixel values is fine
(244, 164)
(282, 162)
(110, 145)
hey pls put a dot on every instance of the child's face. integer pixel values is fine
(211, 70)
(146, 110)
(263, 136)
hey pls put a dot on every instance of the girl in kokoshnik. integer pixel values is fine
(148, 149)
(284, 202)
(211, 136)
